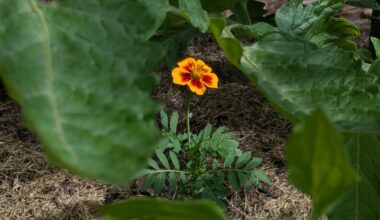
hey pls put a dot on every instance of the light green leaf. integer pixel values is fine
(229, 159)
(164, 120)
(376, 44)
(174, 160)
(243, 159)
(157, 209)
(161, 156)
(261, 176)
(317, 162)
(153, 164)
(198, 17)
(174, 122)
(81, 71)
(255, 162)
(365, 3)
(362, 202)
(231, 46)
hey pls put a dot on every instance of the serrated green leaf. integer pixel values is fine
(148, 181)
(253, 163)
(262, 176)
(174, 122)
(229, 159)
(207, 131)
(174, 159)
(243, 159)
(234, 181)
(198, 17)
(317, 162)
(159, 183)
(164, 120)
(365, 3)
(362, 202)
(158, 209)
(244, 179)
(218, 132)
(83, 79)
(153, 164)
(161, 156)
(172, 181)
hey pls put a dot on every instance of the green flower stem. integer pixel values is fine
(189, 97)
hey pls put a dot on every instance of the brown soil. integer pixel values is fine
(31, 189)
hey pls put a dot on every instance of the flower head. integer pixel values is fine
(195, 74)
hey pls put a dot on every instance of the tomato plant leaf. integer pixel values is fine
(317, 162)
(362, 202)
(81, 71)
(156, 209)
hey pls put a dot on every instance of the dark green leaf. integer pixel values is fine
(362, 202)
(161, 156)
(174, 159)
(172, 181)
(317, 162)
(174, 122)
(148, 181)
(365, 3)
(83, 79)
(244, 179)
(155, 209)
(234, 181)
(198, 17)
(219, 5)
(248, 12)
(183, 177)
(159, 183)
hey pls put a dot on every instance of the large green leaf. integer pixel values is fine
(363, 201)
(197, 16)
(298, 77)
(248, 12)
(365, 3)
(156, 209)
(81, 71)
(296, 18)
(317, 162)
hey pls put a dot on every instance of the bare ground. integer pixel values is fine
(31, 189)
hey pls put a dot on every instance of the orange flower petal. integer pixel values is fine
(187, 64)
(197, 87)
(180, 77)
(203, 67)
(210, 80)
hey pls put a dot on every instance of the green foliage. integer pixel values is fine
(362, 202)
(202, 174)
(365, 3)
(197, 16)
(156, 209)
(83, 77)
(248, 12)
(317, 162)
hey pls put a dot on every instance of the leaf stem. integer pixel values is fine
(189, 97)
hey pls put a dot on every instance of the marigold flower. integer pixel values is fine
(195, 74)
